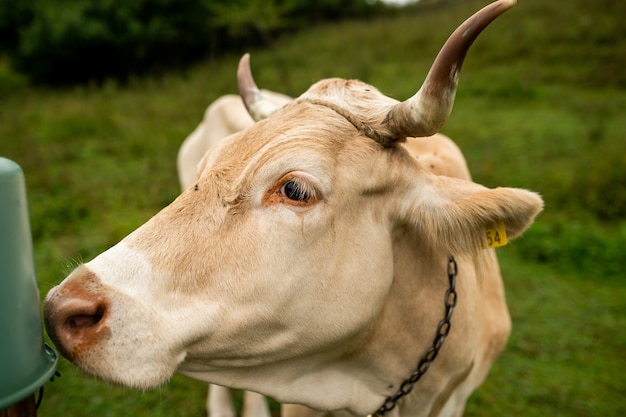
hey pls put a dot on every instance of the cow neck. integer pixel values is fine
(443, 329)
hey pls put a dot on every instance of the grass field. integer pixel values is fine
(540, 106)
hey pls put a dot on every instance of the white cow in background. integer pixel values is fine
(312, 261)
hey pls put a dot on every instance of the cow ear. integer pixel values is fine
(456, 214)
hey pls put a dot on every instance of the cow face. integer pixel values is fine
(257, 258)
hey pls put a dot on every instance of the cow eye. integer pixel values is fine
(297, 190)
(294, 190)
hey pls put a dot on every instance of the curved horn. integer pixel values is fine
(257, 105)
(428, 110)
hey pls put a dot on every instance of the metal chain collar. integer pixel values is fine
(443, 329)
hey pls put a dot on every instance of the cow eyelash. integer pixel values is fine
(298, 190)
(292, 189)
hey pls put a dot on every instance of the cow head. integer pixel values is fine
(279, 265)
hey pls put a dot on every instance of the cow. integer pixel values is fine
(314, 260)
(227, 115)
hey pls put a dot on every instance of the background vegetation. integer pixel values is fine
(540, 106)
(60, 42)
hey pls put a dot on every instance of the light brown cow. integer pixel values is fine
(227, 115)
(310, 260)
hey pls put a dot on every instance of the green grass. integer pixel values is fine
(564, 356)
(540, 106)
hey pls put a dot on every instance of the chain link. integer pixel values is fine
(443, 329)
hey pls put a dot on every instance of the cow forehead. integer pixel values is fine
(302, 136)
(306, 123)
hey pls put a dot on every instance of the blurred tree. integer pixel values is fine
(14, 15)
(251, 22)
(60, 42)
(242, 18)
(85, 40)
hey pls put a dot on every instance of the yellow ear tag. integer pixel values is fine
(496, 236)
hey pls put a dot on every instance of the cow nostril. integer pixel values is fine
(83, 320)
(77, 322)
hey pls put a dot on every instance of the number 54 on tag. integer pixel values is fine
(496, 236)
